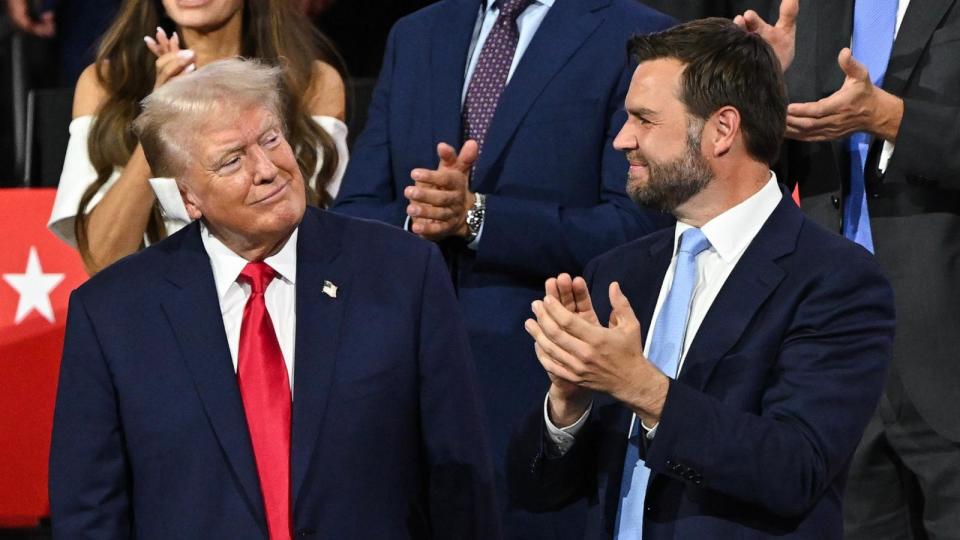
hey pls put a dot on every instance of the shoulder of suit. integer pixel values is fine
(629, 252)
(375, 238)
(642, 18)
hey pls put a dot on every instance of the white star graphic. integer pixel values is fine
(34, 288)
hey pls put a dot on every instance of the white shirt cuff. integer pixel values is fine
(651, 431)
(563, 438)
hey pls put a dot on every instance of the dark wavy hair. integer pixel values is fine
(725, 66)
(273, 32)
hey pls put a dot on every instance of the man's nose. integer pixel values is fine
(264, 168)
(625, 139)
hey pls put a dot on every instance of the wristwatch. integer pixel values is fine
(475, 216)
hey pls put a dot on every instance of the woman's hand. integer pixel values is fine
(171, 59)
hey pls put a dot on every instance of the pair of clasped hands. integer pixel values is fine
(858, 106)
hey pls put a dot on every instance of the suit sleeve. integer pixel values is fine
(461, 488)
(542, 238)
(822, 390)
(927, 143)
(542, 479)
(367, 190)
(89, 485)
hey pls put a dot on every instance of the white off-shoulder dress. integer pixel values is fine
(78, 174)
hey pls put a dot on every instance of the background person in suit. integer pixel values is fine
(539, 84)
(893, 96)
(174, 416)
(767, 337)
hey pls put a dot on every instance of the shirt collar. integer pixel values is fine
(491, 4)
(227, 265)
(732, 231)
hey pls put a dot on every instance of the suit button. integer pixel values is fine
(306, 532)
(835, 201)
(669, 463)
(697, 481)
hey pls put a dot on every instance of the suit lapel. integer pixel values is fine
(450, 41)
(918, 25)
(567, 25)
(754, 278)
(319, 315)
(193, 310)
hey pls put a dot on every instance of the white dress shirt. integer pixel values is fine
(280, 296)
(729, 234)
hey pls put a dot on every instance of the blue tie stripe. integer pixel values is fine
(665, 351)
(874, 26)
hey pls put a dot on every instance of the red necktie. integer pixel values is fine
(265, 389)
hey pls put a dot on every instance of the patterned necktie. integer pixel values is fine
(265, 389)
(490, 74)
(665, 348)
(874, 26)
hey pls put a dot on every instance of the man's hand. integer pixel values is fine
(857, 106)
(580, 352)
(20, 16)
(782, 36)
(440, 198)
(567, 400)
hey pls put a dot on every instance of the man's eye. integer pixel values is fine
(230, 162)
(272, 140)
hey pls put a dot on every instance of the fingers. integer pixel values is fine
(446, 178)
(426, 194)
(554, 359)
(565, 290)
(172, 64)
(561, 323)
(581, 297)
(851, 68)
(432, 230)
(622, 313)
(162, 40)
(789, 9)
(431, 212)
(469, 153)
(753, 22)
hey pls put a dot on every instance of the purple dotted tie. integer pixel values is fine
(490, 75)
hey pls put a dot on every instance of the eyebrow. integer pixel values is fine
(268, 125)
(640, 111)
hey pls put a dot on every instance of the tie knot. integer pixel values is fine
(693, 241)
(512, 8)
(258, 274)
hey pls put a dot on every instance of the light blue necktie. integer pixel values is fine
(874, 25)
(668, 337)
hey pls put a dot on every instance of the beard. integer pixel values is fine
(672, 183)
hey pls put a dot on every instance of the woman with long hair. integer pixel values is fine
(107, 201)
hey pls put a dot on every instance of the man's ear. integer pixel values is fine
(726, 124)
(190, 200)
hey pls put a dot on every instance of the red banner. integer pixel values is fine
(37, 273)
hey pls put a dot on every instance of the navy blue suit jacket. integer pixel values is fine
(554, 184)
(757, 431)
(150, 438)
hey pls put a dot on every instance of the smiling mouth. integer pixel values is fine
(273, 194)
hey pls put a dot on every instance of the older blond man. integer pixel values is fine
(261, 373)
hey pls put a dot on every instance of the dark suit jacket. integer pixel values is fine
(775, 391)
(555, 185)
(150, 438)
(915, 206)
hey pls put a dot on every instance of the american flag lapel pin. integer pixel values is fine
(329, 289)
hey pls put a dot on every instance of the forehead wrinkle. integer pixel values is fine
(233, 136)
